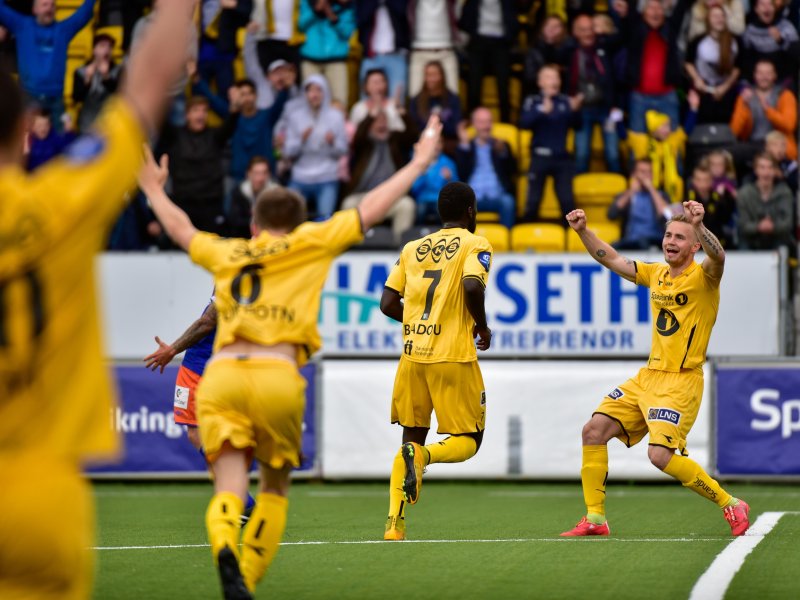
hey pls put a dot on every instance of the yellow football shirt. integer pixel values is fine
(437, 327)
(684, 310)
(268, 289)
(55, 391)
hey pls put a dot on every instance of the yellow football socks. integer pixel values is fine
(396, 503)
(453, 449)
(223, 522)
(692, 476)
(594, 473)
(262, 536)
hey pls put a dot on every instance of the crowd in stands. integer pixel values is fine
(679, 99)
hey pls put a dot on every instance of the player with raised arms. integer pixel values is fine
(250, 400)
(663, 398)
(55, 389)
(436, 290)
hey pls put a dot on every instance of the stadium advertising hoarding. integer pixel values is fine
(154, 445)
(758, 419)
(538, 305)
(554, 306)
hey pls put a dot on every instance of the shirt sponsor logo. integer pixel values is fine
(483, 398)
(616, 394)
(181, 397)
(664, 414)
(442, 247)
(485, 258)
(667, 323)
(681, 299)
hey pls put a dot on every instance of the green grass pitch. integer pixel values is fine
(467, 540)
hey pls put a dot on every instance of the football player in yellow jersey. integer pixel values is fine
(250, 400)
(663, 398)
(55, 392)
(436, 290)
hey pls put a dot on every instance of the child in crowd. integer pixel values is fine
(723, 172)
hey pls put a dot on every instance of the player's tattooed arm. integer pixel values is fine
(714, 262)
(196, 332)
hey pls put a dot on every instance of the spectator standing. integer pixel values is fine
(434, 35)
(712, 63)
(492, 26)
(550, 115)
(590, 73)
(196, 163)
(770, 36)
(376, 89)
(328, 26)
(275, 25)
(219, 22)
(315, 140)
(436, 98)
(489, 167)
(643, 209)
(240, 213)
(766, 209)
(95, 81)
(384, 34)
(379, 152)
(42, 44)
(765, 107)
(719, 204)
(653, 66)
(176, 115)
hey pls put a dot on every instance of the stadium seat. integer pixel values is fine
(525, 138)
(497, 235)
(549, 208)
(537, 237)
(607, 231)
(377, 238)
(488, 217)
(418, 231)
(594, 193)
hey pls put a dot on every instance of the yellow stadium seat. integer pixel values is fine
(549, 208)
(503, 131)
(598, 188)
(607, 231)
(488, 217)
(497, 235)
(537, 237)
(525, 138)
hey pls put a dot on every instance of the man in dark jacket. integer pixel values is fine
(196, 166)
(491, 37)
(488, 166)
(654, 67)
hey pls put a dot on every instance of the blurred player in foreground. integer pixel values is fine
(663, 398)
(198, 342)
(55, 393)
(436, 290)
(251, 398)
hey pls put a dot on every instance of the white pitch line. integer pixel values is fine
(606, 540)
(715, 581)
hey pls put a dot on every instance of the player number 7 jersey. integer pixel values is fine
(437, 327)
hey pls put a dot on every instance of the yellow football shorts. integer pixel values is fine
(454, 390)
(252, 403)
(46, 529)
(659, 402)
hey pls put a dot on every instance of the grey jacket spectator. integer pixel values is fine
(315, 159)
(766, 210)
